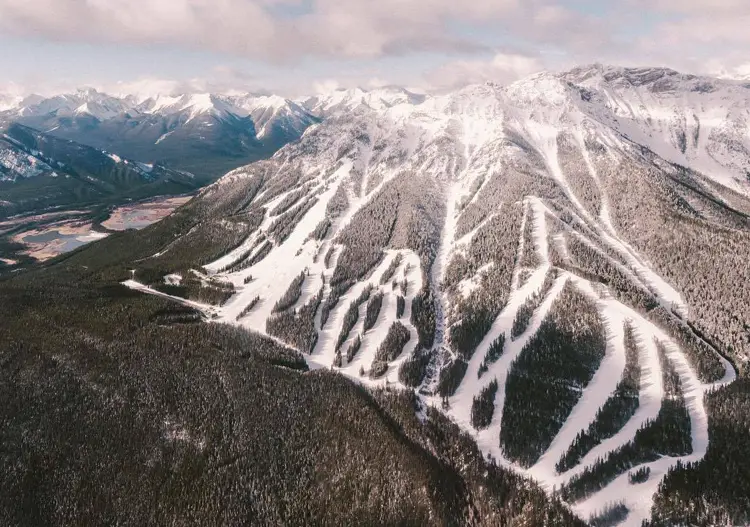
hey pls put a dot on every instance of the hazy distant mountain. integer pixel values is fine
(204, 134)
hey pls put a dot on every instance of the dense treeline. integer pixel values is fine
(451, 376)
(577, 173)
(613, 514)
(597, 266)
(548, 377)
(391, 269)
(329, 256)
(466, 334)
(413, 370)
(640, 475)
(616, 411)
(252, 256)
(423, 315)
(669, 218)
(667, 435)
(352, 315)
(494, 352)
(283, 225)
(291, 295)
(288, 201)
(483, 406)
(373, 310)
(321, 230)
(494, 246)
(524, 174)
(530, 256)
(424, 319)
(195, 287)
(389, 349)
(297, 327)
(248, 308)
(400, 306)
(353, 348)
(364, 239)
(703, 358)
(716, 489)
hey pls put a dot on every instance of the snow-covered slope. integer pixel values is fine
(9, 102)
(266, 111)
(347, 100)
(503, 236)
(697, 122)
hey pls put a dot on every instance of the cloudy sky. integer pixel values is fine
(299, 46)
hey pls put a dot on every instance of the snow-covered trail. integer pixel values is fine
(639, 498)
(599, 389)
(545, 139)
(460, 403)
(437, 272)
(615, 314)
(650, 398)
(206, 309)
(325, 349)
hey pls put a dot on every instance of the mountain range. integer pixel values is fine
(556, 265)
(200, 136)
(531, 257)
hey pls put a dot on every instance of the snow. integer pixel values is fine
(18, 163)
(9, 102)
(173, 279)
(163, 137)
(324, 353)
(461, 401)
(137, 286)
(93, 236)
(594, 395)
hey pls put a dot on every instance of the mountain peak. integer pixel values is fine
(653, 79)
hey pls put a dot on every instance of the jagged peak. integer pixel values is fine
(378, 99)
(654, 79)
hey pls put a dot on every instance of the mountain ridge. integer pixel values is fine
(487, 223)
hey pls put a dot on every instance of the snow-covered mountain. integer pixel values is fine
(341, 100)
(9, 102)
(532, 258)
(204, 133)
(40, 172)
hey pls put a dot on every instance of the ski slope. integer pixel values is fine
(460, 141)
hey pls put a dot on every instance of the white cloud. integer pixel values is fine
(690, 35)
(502, 68)
(257, 29)
(323, 86)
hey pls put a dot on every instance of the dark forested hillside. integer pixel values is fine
(122, 408)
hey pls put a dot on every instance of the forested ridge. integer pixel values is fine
(128, 409)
